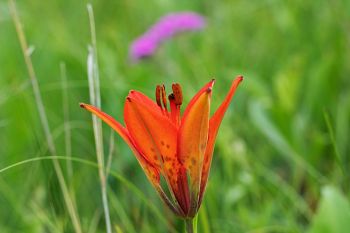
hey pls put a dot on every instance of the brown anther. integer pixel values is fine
(164, 97)
(158, 95)
(177, 93)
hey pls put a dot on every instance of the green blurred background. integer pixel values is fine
(281, 162)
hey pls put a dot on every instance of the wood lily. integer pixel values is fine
(166, 144)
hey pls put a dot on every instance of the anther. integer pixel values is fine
(158, 95)
(177, 93)
(164, 97)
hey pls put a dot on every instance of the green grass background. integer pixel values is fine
(284, 139)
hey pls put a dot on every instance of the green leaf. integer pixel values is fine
(333, 215)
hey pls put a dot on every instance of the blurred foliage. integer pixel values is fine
(285, 136)
(333, 214)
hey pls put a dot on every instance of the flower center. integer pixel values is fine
(175, 101)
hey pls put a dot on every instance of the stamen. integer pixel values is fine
(161, 99)
(177, 90)
(164, 98)
(158, 95)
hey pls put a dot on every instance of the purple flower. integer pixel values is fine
(168, 26)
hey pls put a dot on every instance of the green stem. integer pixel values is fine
(191, 225)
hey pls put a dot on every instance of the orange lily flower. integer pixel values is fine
(165, 144)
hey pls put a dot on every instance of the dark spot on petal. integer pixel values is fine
(193, 161)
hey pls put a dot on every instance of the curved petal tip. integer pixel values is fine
(239, 78)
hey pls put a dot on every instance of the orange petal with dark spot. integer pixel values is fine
(152, 132)
(192, 142)
(214, 125)
(152, 173)
(156, 136)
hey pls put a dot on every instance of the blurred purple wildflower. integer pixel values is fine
(168, 26)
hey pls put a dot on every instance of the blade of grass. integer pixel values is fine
(94, 222)
(67, 132)
(34, 159)
(334, 143)
(203, 218)
(44, 217)
(126, 221)
(95, 99)
(9, 195)
(110, 152)
(43, 118)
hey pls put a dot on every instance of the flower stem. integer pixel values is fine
(191, 225)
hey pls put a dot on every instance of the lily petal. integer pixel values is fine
(145, 100)
(153, 133)
(214, 125)
(199, 93)
(156, 136)
(192, 142)
(152, 173)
